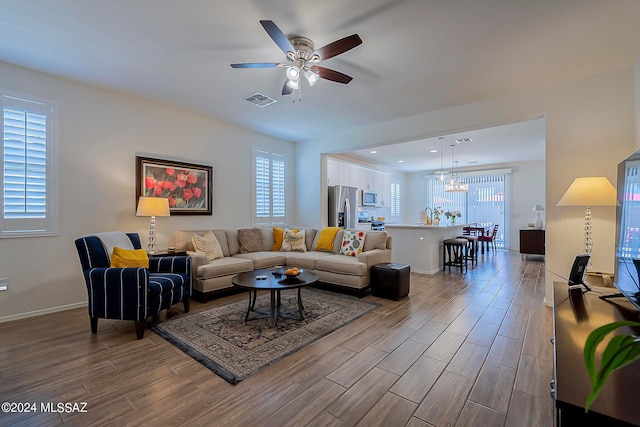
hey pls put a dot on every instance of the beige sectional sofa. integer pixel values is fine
(348, 272)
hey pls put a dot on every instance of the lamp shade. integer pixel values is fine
(537, 208)
(153, 206)
(589, 191)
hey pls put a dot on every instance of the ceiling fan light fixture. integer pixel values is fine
(293, 73)
(293, 84)
(312, 77)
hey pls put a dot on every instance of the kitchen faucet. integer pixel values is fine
(430, 214)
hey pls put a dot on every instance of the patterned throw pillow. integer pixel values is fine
(293, 241)
(207, 244)
(352, 243)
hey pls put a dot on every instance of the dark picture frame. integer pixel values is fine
(188, 186)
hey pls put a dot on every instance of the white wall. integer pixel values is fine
(589, 129)
(100, 134)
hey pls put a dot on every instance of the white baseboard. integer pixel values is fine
(41, 312)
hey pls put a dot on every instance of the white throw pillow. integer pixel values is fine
(352, 243)
(207, 244)
(293, 242)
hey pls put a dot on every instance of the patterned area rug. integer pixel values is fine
(221, 340)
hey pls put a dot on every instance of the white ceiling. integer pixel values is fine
(417, 55)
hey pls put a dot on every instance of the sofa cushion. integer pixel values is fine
(278, 235)
(264, 259)
(342, 265)
(232, 241)
(293, 241)
(375, 240)
(224, 267)
(325, 238)
(250, 240)
(266, 234)
(352, 243)
(309, 234)
(207, 244)
(306, 260)
(126, 258)
(182, 240)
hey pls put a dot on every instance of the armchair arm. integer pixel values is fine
(117, 293)
(170, 264)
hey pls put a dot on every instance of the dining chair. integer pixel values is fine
(490, 239)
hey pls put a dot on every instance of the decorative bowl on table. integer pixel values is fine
(292, 272)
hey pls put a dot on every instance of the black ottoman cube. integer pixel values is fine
(390, 280)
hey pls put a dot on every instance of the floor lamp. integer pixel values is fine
(589, 191)
(153, 207)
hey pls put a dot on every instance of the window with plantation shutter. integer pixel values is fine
(395, 202)
(269, 187)
(29, 190)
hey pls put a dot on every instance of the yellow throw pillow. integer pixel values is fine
(326, 238)
(207, 244)
(123, 258)
(278, 235)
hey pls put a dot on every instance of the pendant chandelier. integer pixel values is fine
(454, 184)
(441, 173)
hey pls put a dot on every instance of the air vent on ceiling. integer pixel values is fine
(260, 100)
(464, 140)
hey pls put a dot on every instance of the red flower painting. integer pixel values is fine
(187, 189)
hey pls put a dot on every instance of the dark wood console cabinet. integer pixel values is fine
(575, 314)
(532, 242)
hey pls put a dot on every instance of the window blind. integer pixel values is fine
(27, 171)
(484, 203)
(269, 187)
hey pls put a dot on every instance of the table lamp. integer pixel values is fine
(537, 224)
(589, 191)
(153, 207)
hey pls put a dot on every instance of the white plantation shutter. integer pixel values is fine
(269, 187)
(27, 169)
(395, 201)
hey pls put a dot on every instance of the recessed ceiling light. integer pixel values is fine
(433, 151)
(400, 161)
(373, 151)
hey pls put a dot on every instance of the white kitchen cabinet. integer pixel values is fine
(333, 172)
(385, 192)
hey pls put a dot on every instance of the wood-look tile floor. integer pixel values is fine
(461, 350)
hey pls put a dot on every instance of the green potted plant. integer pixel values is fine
(437, 211)
(619, 352)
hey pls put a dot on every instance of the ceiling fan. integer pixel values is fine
(302, 58)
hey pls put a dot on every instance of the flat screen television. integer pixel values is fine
(627, 265)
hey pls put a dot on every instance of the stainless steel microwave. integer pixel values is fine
(368, 198)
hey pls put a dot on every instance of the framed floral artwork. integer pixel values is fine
(189, 187)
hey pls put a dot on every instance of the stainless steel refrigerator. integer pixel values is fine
(343, 205)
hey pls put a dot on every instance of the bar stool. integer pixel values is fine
(454, 254)
(472, 248)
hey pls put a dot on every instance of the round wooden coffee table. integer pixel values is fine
(266, 279)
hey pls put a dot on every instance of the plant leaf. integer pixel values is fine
(595, 338)
(620, 351)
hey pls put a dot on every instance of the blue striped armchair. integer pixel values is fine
(131, 293)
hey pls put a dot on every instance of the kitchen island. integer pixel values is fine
(420, 245)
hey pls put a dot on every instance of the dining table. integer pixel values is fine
(478, 230)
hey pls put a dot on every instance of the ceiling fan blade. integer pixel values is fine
(277, 36)
(333, 75)
(339, 46)
(286, 89)
(256, 65)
